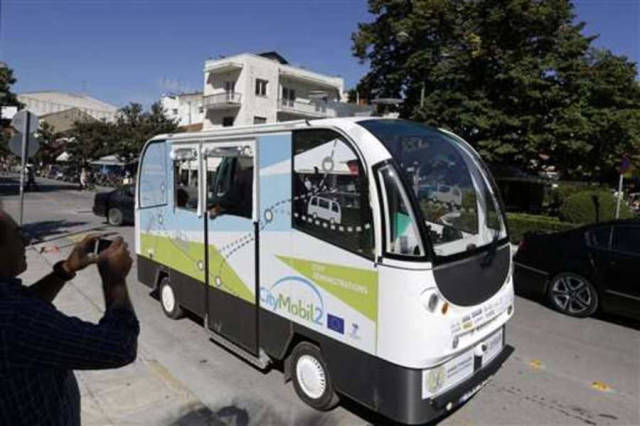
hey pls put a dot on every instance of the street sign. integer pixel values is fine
(24, 144)
(20, 118)
(15, 145)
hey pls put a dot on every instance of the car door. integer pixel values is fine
(622, 270)
(126, 203)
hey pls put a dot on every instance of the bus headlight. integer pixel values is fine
(432, 303)
(430, 300)
(436, 379)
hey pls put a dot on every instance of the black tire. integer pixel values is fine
(572, 294)
(310, 359)
(173, 311)
(114, 216)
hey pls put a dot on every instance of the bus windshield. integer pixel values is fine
(454, 192)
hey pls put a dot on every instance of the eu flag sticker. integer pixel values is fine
(335, 323)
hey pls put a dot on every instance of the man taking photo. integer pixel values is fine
(40, 346)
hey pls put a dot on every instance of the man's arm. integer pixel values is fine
(50, 285)
(40, 335)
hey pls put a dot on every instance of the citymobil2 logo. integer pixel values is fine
(297, 297)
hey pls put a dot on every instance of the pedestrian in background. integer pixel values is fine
(83, 178)
(40, 346)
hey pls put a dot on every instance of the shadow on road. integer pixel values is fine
(10, 185)
(39, 230)
(203, 416)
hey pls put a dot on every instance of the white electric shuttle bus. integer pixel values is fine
(388, 295)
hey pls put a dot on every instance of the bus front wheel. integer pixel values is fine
(311, 379)
(168, 300)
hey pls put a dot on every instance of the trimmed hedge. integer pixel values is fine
(521, 223)
(580, 208)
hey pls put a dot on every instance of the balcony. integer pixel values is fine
(305, 108)
(222, 100)
(221, 66)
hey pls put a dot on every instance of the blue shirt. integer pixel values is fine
(39, 348)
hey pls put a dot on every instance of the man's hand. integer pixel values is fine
(114, 263)
(79, 258)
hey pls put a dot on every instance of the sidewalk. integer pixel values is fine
(144, 392)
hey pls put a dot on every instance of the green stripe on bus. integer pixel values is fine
(184, 256)
(356, 287)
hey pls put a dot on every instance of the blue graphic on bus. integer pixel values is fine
(309, 308)
(335, 323)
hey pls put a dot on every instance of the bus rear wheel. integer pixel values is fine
(311, 379)
(168, 300)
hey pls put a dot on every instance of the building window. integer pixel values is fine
(230, 89)
(330, 191)
(200, 109)
(259, 120)
(227, 121)
(288, 96)
(261, 87)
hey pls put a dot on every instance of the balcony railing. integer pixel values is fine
(312, 109)
(222, 100)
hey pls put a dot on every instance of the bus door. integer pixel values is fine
(230, 227)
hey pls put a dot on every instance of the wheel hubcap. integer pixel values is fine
(571, 294)
(311, 376)
(115, 216)
(168, 300)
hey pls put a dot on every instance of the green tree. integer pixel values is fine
(124, 137)
(50, 144)
(7, 98)
(514, 77)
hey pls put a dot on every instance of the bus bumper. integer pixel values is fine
(399, 392)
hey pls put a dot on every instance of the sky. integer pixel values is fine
(122, 51)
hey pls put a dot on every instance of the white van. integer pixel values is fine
(324, 208)
(390, 305)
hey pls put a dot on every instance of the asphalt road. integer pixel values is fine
(562, 370)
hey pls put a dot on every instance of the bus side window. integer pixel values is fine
(153, 174)
(186, 184)
(233, 187)
(330, 191)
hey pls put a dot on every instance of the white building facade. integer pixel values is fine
(186, 108)
(47, 102)
(254, 89)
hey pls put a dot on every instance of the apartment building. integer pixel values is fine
(186, 108)
(264, 88)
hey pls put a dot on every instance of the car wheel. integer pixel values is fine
(311, 379)
(573, 295)
(114, 216)
(168, 300)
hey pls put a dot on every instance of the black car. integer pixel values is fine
(116, 206)
(588, 268)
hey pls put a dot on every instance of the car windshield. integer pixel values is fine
(452, 187)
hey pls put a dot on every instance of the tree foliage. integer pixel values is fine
(7, 98)
(124, 137)
(514, 77)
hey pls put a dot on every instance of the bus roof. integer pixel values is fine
(259, 128)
